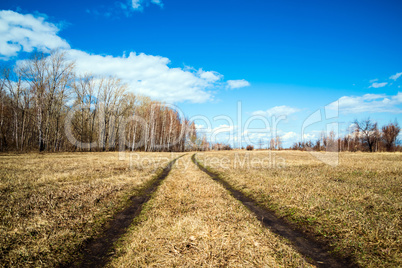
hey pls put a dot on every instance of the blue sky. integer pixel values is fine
(276, 57)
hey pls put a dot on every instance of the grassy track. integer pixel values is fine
(50, 204)
(192, 221)
(98, 251)
(310, 248)
(356, 207)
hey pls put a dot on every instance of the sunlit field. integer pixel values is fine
(356, 207)
(51, 203)
(192, 221)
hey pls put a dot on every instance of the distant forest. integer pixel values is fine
(46, 106)
(365, 135)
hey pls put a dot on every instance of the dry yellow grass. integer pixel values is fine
(51, 203)
(192, 221)
(356, 206)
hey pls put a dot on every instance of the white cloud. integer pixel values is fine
(395, 76)
(373, 80)
(136, 4)
(200, 127)
(289, 136)
(378, 85)
(225, 128)
(144, 74)
(277, 111)
(123, 7)
(20, 32)
(374, 103)
(232, 84)
(149, 75)
(369, 97)
(209, 76)
(139, 4)
(309, 137)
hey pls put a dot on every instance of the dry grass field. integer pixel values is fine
(192, 221)
(356, 206)
(51, 203)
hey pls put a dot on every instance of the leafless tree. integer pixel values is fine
(368, 132)
(39, 93)
(390, 133)
(272, 144)
(49, 79)
(278, 143)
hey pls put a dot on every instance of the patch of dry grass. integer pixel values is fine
(356, 206)
(51, 203)
(192, 221)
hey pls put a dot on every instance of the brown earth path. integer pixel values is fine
(97, 251)
(315, 251)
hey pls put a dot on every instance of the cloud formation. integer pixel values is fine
(289, 136)
(210, 76)
(395, 76)
(378, 85)
(25, 33)
(139, 4)
(233, 84)
(126, 8)
(144, 74)
(277, 111)
(373, 103)
(150, 75)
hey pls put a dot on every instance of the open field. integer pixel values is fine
(192, 221)
(356, 207)
(51, 203)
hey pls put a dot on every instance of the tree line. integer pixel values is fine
(364, 135)
(46, 106)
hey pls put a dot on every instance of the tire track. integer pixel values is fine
(96, 252)
(315, 251)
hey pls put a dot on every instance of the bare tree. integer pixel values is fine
(390, 133)
(260, 144)
(35, 98)
(111, 96)
(278, 143)
(368, 132)
(49, 78)
(272, 144)
(3, 98)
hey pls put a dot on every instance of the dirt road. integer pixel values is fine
(190, 217)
